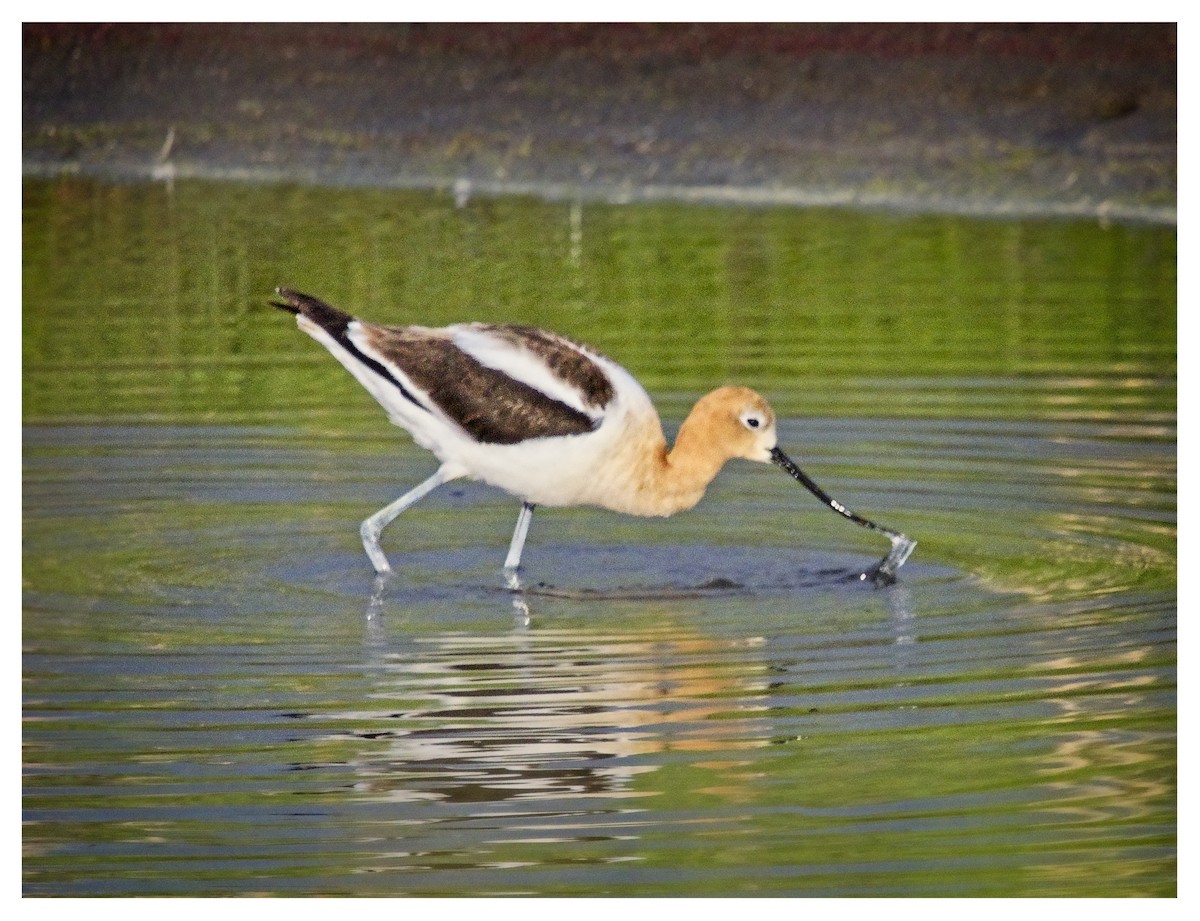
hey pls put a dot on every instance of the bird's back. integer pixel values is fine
(519, 407)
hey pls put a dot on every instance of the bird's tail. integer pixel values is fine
(339, 332)
(330, 319)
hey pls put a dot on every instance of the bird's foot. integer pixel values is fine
(375, 602)
(512, 579)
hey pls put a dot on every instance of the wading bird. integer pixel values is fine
(548, 420)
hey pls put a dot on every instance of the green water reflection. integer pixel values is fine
(144, 300)
(146, 303)
(209, 711)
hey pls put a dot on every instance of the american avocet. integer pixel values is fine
(548, 420)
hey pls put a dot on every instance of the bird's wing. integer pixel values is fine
(500, 384)
(564, 370)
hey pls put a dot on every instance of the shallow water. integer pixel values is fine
(220, 699)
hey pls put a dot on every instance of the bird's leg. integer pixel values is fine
(373, 526)
(513, 561)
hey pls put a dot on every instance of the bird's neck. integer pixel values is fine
(675, 480)
(645, 477)
(692, 463)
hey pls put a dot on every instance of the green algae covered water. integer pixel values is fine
(218, 700)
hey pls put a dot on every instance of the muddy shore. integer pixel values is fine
(1043, 119)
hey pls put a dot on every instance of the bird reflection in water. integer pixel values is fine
(543, 713)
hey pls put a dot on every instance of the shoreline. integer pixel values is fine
(1075, 121)
(464, 188)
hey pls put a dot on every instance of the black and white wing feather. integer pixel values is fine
(499, 384)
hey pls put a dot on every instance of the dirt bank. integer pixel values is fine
(1022, 119)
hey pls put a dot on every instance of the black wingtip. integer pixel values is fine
(328, 318)
(289, 305)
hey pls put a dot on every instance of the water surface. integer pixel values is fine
(220, 699)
